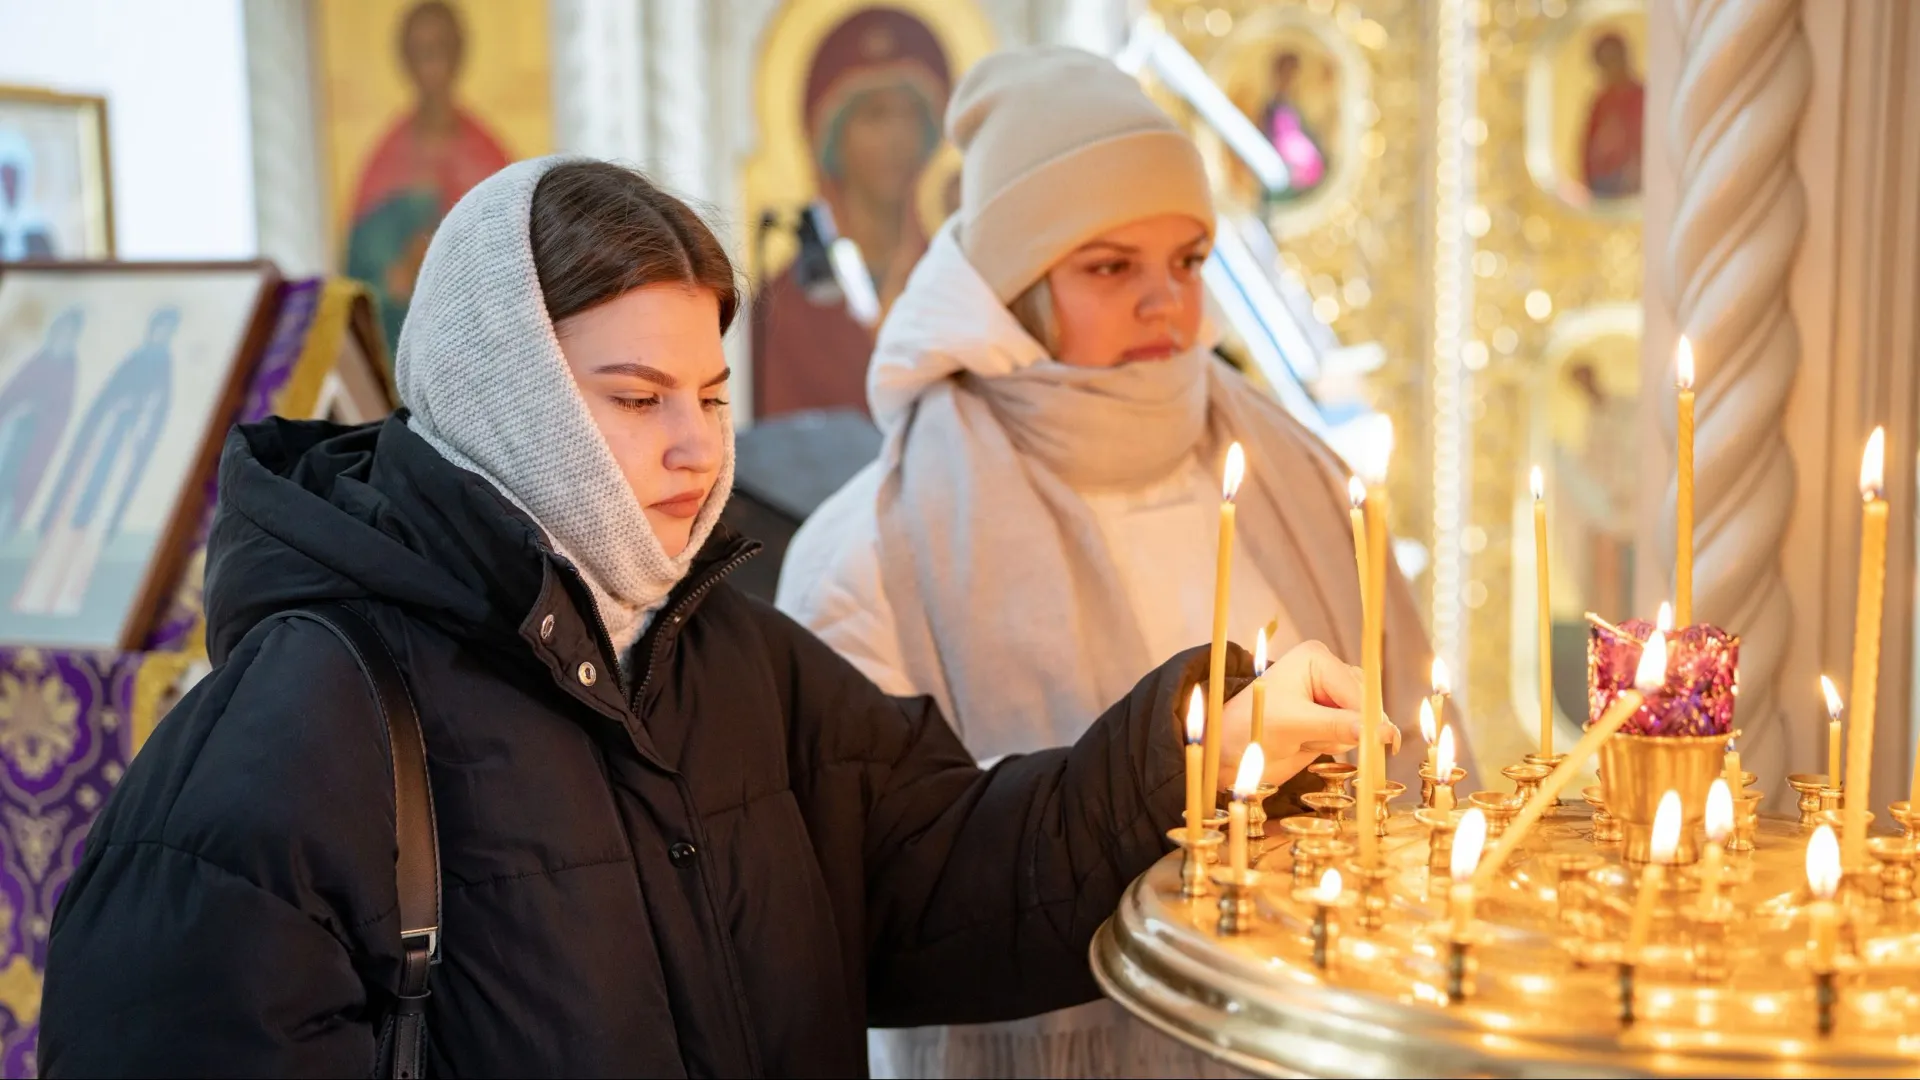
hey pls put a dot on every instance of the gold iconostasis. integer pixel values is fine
(1466, 197)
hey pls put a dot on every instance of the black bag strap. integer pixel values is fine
(418, 866)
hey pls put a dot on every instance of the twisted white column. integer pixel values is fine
(1743, 84)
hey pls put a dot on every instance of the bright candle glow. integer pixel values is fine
(1356, 492)
(1537, 483)
(1834, 705)
(1328, 891)
(1442, 678)
(1426, 721)
(1375, 450)
(1873, 465)
(1246, 782)
(1260, 651)
(1719, 811)
(1666, 828)
(1467, 842)
(1443, 755)
(1196, 716)
(1683, 364)
(1236, 472)
(1652, 673)
(1823, 863)
(1664, 620)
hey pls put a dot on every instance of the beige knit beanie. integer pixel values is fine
(1059, 146)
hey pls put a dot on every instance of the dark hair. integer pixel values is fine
(601, 230)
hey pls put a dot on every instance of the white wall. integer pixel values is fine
(174, 75)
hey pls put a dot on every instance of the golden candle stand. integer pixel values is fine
(1540, 977)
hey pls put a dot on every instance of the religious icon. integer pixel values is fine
(54, 197)
(1586, 106)
(876, 93)
(1302, 82)
(411, 144)
(115, 387)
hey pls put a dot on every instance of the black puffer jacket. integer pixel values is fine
(727, 865)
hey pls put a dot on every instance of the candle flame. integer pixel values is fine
(1834, 704)
(1537, 483)
(1427, 731)
(1823, 863)
(1467, 842)
(1196, 716)
(1666, 828)
(1719, 811)
(1253, 763)
(1260, 652)
(1664, 620)
(1652, 673)
(1443, 755)
(1683, 364)
(1328, 891)
(1873, 465)
(1375, 449)
(1356, 492)
(1236, 472)
(1442, 678)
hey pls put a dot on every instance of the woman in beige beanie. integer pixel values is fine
(1040, 527)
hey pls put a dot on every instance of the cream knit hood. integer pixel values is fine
(482, 372)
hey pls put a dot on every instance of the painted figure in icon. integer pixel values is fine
(875, 93)
(1287, 128)
(1610, 154)
(431, 157)
(35, 405)
(100, 473)
(24, 232)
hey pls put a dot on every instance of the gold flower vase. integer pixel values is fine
(1636, 770)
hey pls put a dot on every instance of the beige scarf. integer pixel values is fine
(1008, 605)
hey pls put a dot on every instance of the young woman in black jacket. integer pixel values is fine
(677, 834)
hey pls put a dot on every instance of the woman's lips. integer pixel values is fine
(1159, 350)
(681, 506)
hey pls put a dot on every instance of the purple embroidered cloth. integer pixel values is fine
(1703, 666)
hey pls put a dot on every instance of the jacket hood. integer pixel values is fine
(312, 512)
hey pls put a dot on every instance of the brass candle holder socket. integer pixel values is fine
(1329, 805)
(1236, 899)
(1312, 857)
(1526, 780)
(1321, 930)
(1370, 889)
(1896, 855)
(1388, 792)
(1196, 857)
(1710, 938)
(1570, 870)
(1499, 806)
(1808, 786)
(1606, 830)
(1441, 826)
(1305, 827)
(1430, 781)
(1636, 770)
(1746, 822)
(1336, 775)
(1257, 811)
(1902, 812)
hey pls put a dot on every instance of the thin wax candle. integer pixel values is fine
(1866, 646)
(1236, 470)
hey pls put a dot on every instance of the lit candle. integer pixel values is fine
(1443, 771)
(1734, 774)
(1664, 619)
(1666, 839)
(1468, 839)
(1372, 643)
(1357, 515)
(1719, 828)
(1683, 556)
(1246, 787)
(1442, 690)
(1222, 578)
(1258, 727)
(1834, 707)
(1196, 767)
(1823, 879)
(1648, 677)
(1866, 645)
(1428, 732)
(1539, 485)
(1325, 895)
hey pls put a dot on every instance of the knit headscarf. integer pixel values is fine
(482, 371)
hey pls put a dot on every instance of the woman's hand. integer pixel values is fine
(1313, 708)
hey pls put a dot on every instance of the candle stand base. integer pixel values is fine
(1606, 830)
(1370, 889)
(1895, 854)
(1336, 775)
(1389, 791)
(1549, 762)
(1746, 822)
(1440, 825)
(1329, 805)
(1526, 780)
(1257, 811)
(1636, 770)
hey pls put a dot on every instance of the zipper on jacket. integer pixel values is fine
(707, 581)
